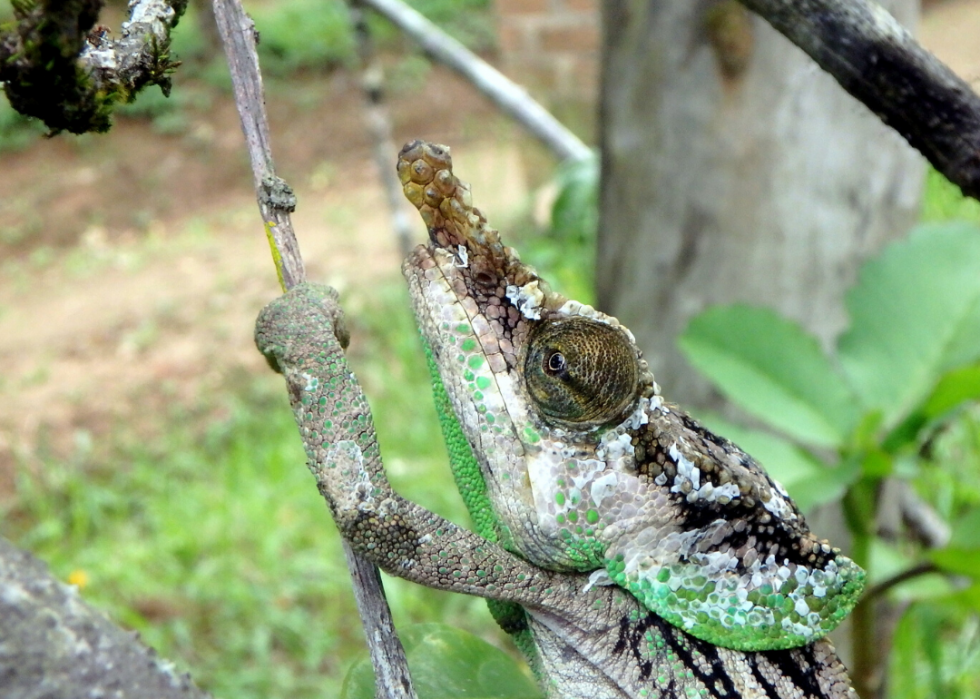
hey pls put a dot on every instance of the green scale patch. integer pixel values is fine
(729, 613)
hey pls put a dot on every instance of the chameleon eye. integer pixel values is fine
(581, 371)
(556, 364)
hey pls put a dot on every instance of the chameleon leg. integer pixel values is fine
(301, 334)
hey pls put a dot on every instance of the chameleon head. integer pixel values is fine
(537, 382)
(585, 466)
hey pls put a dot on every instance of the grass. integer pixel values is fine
(213, 542)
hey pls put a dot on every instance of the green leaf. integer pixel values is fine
(966, 531)
(773, 369)
(915, 314)
(876, 463)
(575, 213)
(955, 387)
(962, 555)
(958, 561)
(808, 481)
(448, 663)
(970, 597)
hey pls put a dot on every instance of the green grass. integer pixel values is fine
(213, 541)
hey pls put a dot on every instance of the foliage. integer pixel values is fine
(904, 374)
(302, 34)
(943, 201)
(317, 35)
(447, 663)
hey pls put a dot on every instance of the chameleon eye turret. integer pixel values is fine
(581, 371)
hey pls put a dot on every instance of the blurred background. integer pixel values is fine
(149, 456)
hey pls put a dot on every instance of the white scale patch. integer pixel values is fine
(688, 473)
(599, 578)
(312, 382)
(603, 487)
(527, 298)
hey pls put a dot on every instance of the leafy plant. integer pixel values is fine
(448, 663)
(903, 374)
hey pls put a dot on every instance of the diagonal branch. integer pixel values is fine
(878, 61)
(501, 90)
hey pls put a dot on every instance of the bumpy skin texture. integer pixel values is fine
(535, 454)
(587, 467)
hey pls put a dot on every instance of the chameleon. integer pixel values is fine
(628, 550)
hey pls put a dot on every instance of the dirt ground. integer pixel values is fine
(133, 264)
(145, 261)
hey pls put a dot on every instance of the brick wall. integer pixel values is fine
(552, 47)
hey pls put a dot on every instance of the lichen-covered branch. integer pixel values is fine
(54, 645)
(276, 201)
(878, 61)
(57, 68)
(506, 94)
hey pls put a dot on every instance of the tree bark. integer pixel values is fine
(53, 645)
(734, 170)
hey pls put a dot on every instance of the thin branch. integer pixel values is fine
(379, 127)
(57, 70)
(54, 645)
(275, 198)
(878, 61)
(276, 201)
(502, 91)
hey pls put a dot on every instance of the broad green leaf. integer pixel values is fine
(448, 663)
(773, 369)
(886, 561)
(575, 213)
(969, 597)
(955, 387)
(958, 561)
(915, 314)
(966, 531)
(876, 463)
(808, 481)
(962, 556)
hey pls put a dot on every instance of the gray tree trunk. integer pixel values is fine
(734, 170)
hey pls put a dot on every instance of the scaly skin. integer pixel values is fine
(592, 480)
(586, 466)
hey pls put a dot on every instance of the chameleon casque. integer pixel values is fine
(628, 550)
